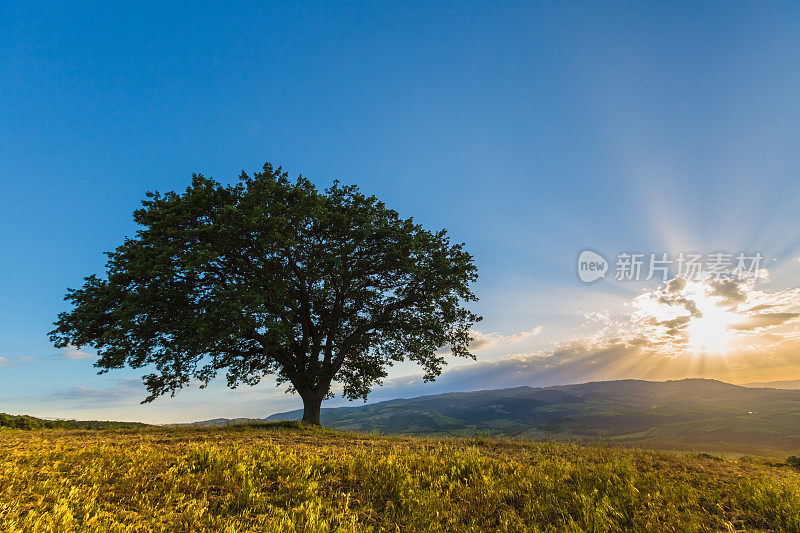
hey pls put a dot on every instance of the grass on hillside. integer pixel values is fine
(278, 478)
(30, 422)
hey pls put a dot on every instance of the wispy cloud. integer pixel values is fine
(124, 391)
(482, 341)
(16, 361)
(71, 352)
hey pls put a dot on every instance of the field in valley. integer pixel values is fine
(288, 477)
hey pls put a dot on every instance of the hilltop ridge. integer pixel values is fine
(677, 414)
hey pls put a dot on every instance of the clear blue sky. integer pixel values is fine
(529, 130)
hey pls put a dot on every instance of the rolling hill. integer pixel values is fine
(695, 414)
(786, 384)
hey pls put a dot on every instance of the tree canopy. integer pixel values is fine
(271, 276)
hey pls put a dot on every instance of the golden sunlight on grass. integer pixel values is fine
(269, 478)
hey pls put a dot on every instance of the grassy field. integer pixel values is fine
(278, 478)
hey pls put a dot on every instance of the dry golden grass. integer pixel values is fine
(306, 479)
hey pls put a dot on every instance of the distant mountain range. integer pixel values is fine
(790, 384)
(694, 414)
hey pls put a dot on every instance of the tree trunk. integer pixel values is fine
(312, 403)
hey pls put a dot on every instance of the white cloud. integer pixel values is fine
(71, 352)
(124, 391)
(17, 361)
(483, 341)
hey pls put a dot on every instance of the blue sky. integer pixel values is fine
(529, 131)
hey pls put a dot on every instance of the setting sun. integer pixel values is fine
(711, 332)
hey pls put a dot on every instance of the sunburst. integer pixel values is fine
(710, 329)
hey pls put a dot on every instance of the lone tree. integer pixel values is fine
(274, 277)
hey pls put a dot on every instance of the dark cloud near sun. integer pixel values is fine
(729, 290)
(764, 320)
